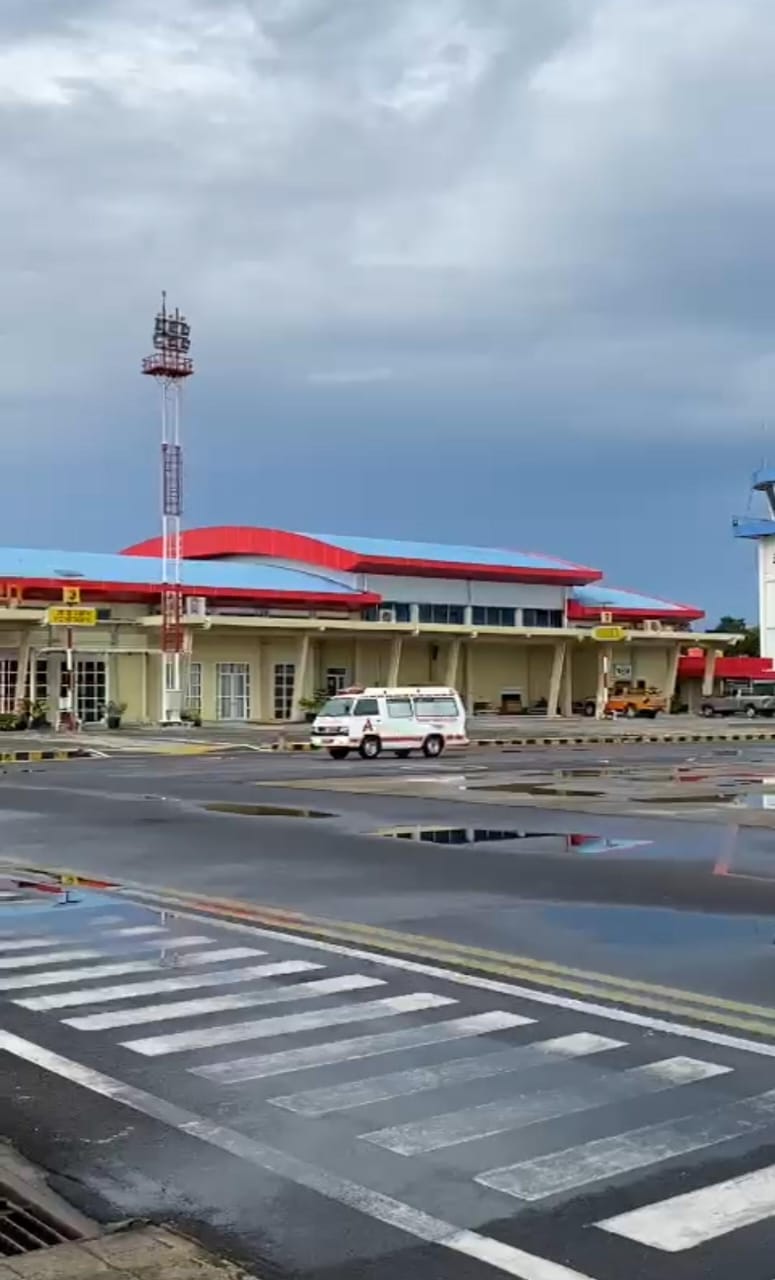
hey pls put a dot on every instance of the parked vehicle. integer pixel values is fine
(426, 718)
(750, 701)
(630, 701)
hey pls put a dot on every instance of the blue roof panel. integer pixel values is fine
(23, 562)
(442, 553)
(599, 596)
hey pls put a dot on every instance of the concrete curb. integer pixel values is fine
(34, 757)
(589, 740)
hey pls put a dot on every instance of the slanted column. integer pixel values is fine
(394, 663)
(558, 663)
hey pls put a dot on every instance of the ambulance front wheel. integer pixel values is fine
(370, 748)
(338, 753)
(433, 746)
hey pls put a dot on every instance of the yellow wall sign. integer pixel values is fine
(609, 634)
(71, 595)
(66, 616)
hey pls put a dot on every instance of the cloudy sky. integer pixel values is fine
(498, 271)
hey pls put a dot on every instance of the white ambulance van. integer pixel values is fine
(426, 718)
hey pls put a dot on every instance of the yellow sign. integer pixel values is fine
(71, 595)
(609, 635)
(65, 616)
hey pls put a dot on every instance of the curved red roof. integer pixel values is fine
(368, 555)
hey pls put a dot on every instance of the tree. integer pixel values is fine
(748, 647)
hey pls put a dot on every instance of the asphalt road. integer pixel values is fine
(537, 1116)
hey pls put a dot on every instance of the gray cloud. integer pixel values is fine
(567, 201)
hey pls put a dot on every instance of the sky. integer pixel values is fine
(488, 271)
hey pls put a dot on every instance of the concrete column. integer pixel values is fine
(23, 662)
(566, 686)
(394, 665)
(604, 664)
(672, 674)
(300, 683)
(710, 672)
(453, 660)
(558, 664)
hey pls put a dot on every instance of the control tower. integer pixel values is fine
(762, 530)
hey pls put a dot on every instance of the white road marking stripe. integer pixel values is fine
(611, 1013)
(358, 1093)
(155, 986)
(49, 957)
(472, 1123)
(287, 1024)
(217, 1004)
(33, 944)
(139, 930)
(319, 1055)
(623, 1152)
(382, 1208)
(695, 1217)
(58, 977)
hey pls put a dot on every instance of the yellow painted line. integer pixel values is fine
(751, 1018)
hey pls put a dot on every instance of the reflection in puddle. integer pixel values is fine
(553, 841)
(264, 810)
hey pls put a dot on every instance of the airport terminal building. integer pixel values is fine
(272, 617)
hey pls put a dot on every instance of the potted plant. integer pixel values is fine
(113, 713)
(38, 714)
(311, 706)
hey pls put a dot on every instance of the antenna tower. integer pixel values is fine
(170, 364)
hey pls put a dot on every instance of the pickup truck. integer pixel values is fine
(739, 702)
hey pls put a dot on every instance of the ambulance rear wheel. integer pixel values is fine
(403, 754)
(339, 753)
(370, 748)
(433, 746)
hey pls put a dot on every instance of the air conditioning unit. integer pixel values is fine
(195, 607)
(606, 617)
(387, 615)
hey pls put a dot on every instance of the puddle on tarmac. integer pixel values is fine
(264, 810)
(545, 841)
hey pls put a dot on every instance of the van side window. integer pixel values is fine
(399, 708)
(436, 707)
(366, 707)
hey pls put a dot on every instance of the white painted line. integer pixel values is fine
(58, 977)
(604, 1158)
(217, 1004)
(381, 1208)
(32, 944)
(398, 1084)
(138, 931)
(687, 1220)
(483, 1121)
(612, 1013)
(319, 1055)
(287, 1024)
(49, 957)
(156, 986)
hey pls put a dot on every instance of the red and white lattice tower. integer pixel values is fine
(170, 365)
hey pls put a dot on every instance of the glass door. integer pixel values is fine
(233, 684)
(91, 689)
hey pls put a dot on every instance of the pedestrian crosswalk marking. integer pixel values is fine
(602, 1158)
(397, 1084)
(218, 1004)
(271, 1064)
(471, 1123)
(287, 1024)
(59, 977)
(157, 986)
(691, 1219)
